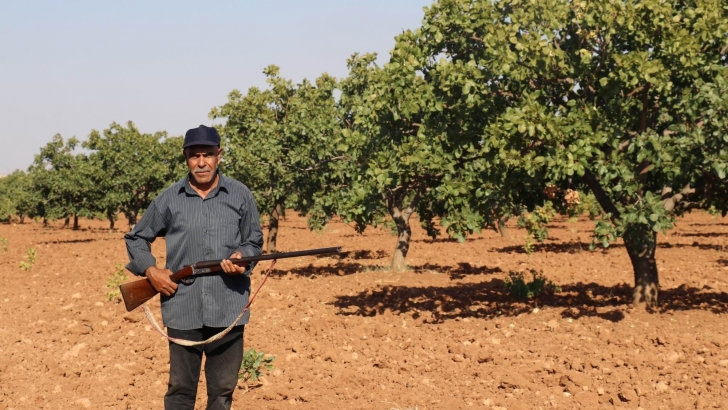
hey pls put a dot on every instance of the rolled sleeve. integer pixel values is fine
(139, 240)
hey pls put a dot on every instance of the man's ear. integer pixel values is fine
(184, 153)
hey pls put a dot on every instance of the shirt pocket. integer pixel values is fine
(225, 236)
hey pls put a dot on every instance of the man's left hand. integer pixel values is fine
(230, 268)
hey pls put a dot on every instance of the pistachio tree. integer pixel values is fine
(61, 178)
(15, 194)
(625, 99)
(398, 152)
(7, 201)
(280, 142)
(130, 168)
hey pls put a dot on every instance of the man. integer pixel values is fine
(204, 216)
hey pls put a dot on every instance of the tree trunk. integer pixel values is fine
(404, 234)
(75, 222)
(641, 252)
(67, 222)
(500, 222)
(132, 218)
(45, 222)
(22, 219)
(275, 215)
(640, 246)
(111, 221)
(401, 212)
(502, 228)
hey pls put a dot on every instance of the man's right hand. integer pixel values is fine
(159, 278)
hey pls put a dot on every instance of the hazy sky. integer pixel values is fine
(70, 67)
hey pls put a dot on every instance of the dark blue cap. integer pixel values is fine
(202, 135)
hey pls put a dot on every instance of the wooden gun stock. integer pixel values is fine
(136, 293)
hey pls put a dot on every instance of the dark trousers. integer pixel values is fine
(223, 359)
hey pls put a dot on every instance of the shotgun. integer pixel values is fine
(139, 291)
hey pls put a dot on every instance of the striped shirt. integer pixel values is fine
(196, 229)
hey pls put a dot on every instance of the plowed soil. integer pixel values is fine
(348, 333)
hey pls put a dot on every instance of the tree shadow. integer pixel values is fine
(703, 246)
(89, 229)
(433, 304)
(74, 241)
(685, 297)
(444, 240)
(95, 229)
(360, 254)
(349, 268)
(456, 272)
(576, 247)
(702, 234)
(310, 271)
(723, 261)
(563, 247)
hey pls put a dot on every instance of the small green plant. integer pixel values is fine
(528, 245)
(253, 365)
(713, 211)
(113, 283)
(515, 284)
(4, 244)
(30, 255)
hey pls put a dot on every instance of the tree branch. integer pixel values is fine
(645, 109)
(671, 202)
(635, 91)
(413, 203)
(602, 197)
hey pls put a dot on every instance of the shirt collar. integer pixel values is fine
(185, 186)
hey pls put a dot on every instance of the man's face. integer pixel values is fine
(202, 161)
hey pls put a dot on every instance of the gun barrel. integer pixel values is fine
(307, 252)
(280, 255)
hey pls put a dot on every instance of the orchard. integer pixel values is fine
(503, 187)
(488, 111)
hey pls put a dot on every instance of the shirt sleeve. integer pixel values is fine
(139, 240)
(251, 236)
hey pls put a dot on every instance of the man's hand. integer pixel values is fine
(159, 278)
(230, 268)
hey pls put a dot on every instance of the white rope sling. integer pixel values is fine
(150, 317)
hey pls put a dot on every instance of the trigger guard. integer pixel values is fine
(188, 280)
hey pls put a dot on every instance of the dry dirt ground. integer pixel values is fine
(349, 334)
